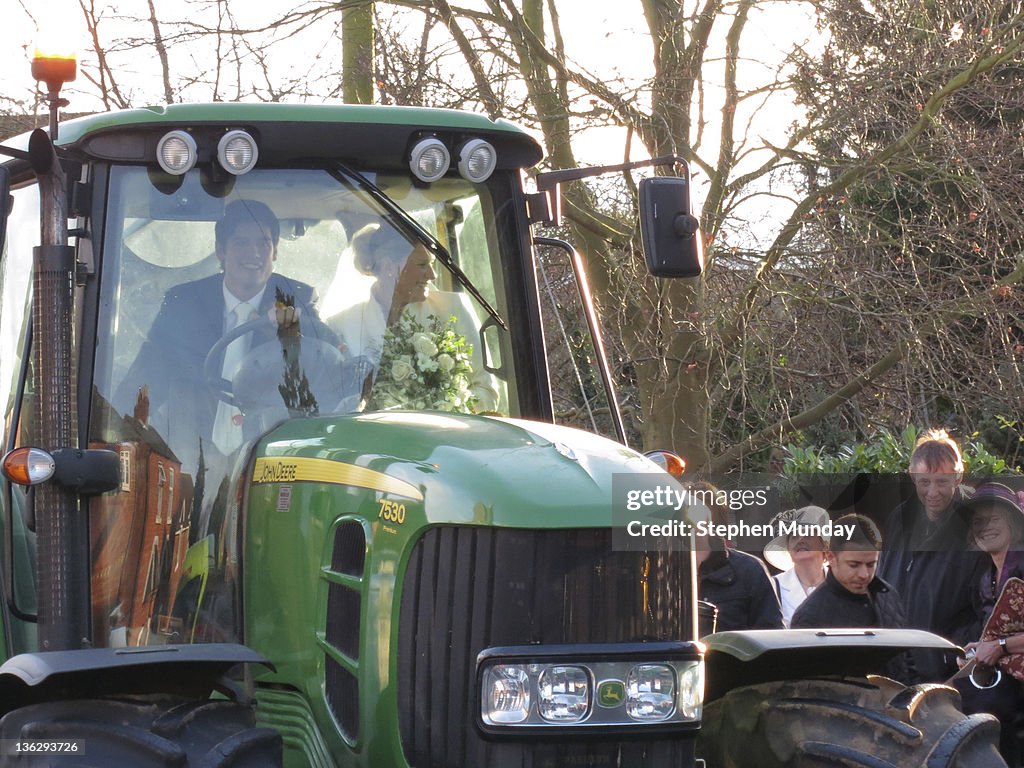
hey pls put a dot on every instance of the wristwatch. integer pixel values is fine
(1002, 645)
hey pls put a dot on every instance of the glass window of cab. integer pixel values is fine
(233, 304)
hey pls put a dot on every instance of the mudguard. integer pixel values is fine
(192, 671)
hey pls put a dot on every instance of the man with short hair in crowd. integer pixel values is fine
(853, 595)
(926, 557)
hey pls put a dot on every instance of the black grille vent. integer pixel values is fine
(349, 555)
(343, 697)
(467, 589)
(343, 619)
(344, 601)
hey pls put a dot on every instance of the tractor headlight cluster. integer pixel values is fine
(430, 159)
(530, 689)
(177, 152)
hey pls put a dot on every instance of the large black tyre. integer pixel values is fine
(855, 723)
(139, 734)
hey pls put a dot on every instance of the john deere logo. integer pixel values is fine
(611, 693)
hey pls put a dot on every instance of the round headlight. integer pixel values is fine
(176, 152)
(477, 159)
(236, 152)
(429, 159)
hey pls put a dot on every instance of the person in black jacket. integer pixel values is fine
(737, 583)
(925, 557)
(853, 595)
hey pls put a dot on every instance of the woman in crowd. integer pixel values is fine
(996, 525)
(801, 558)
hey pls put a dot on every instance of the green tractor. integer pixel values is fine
(283, 483)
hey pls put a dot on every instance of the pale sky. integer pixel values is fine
(605, 39)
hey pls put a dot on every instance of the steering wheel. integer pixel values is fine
(264, 368)
(221, 387)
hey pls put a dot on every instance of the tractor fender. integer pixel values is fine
(191, 671)
(808, 698)
(144, 706)
(736, 659)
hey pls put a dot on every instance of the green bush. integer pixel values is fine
(886, 453)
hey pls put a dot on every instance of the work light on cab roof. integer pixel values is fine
(237, 152)
(177, 152)
(477, 159)
(429, 159)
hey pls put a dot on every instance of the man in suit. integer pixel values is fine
(926, 557)
(195, 315)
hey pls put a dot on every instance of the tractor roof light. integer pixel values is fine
(54, 70)
(28, 466)
(477, 159)
(429, 159)
(237, 152)
(177, 152)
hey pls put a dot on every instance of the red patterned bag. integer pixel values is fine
(1008, 619)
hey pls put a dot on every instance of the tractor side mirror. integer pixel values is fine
(669, 232)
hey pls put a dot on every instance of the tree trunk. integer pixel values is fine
(357, 54)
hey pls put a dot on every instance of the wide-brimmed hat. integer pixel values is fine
(776, 551)
(993, 492)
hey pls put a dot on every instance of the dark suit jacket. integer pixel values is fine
(189, 323)
(936, 580)
(739, 585)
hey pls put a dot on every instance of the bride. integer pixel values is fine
(404, 273)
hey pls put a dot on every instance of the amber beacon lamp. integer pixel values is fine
(54, 71)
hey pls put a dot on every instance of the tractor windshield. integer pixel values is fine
(232, 304)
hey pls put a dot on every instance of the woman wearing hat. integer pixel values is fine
(801, 558)
(996, 527)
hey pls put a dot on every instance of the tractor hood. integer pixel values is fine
(465, 469)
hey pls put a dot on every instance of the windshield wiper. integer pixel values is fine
(410, 226)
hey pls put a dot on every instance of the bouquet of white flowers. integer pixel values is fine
(424, 367)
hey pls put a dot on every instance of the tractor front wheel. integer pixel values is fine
(94, 733)
(869, 722)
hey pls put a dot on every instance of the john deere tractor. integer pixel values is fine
(365, 540)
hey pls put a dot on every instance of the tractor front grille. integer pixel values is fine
(467, 589)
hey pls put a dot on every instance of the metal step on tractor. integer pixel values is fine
(282, 481)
